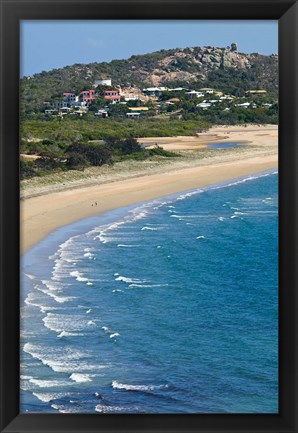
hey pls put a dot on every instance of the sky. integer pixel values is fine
(47, 45)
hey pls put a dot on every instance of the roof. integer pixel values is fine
(139, 108)
(256, 91)
(155, 89)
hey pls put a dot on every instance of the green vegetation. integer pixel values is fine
(73, 129)
(79, 155)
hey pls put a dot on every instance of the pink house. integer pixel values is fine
(88, 95)
(112, 95)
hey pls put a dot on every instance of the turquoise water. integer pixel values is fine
(170, 306)
(225, 145)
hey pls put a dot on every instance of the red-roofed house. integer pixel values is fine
(112, 95)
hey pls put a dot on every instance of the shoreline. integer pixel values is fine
(42, 214)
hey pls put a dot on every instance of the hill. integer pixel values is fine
(222, 68)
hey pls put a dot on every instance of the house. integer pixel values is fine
(207, 90)
(79, 113)
(174, 100)
(255, 92)
(112, 95)
(204, 105)
(177, 89)
(226, 98)
(133, 115)
(102, 113)
(103, 82)
(61, 104)
(69, 97)
(88, 95)
(64, 110)
(154, 91)
(243, 105)
(139, 108)
(194, 94)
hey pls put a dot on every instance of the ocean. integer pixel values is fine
(168, 306)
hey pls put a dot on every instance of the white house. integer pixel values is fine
(133, 114)
(204, 105)
(103, 82)
(69, 97)
(102, 113)
(154, 91)
(243, 105)
(194, 94)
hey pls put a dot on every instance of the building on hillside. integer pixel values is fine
(112, 95)
(64, 110)
(103, 82)
(139, 108)
(207, 90)
(177, 89)
(61, 104)
(154, 91)
(133, 115)
(194, 94)
(243, 105)
(69, 97)
(173, 100)
(227, 98)
(204, 105)
(255, 92)
(102, 113)
(88, 95)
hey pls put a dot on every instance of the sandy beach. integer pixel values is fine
(47, 207)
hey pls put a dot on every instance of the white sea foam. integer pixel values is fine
(47, 397)
(89, 255)
(111, 333)
(31, 277)
(79, 276)
(88, 311)
(200, 237)
(63, 409)
(42, 383)
(69, 334)
(102, 408)
(65, 322)
(91, 323)
(128, 280)
(150, 228)
(80, 377)
(116, 334)
(57, 298)
(126, 387)
(67, 361)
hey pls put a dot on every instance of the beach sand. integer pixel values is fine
(50, 207)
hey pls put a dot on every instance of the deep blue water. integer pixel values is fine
(170, 306)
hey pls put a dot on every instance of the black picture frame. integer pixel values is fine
(286, 11)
